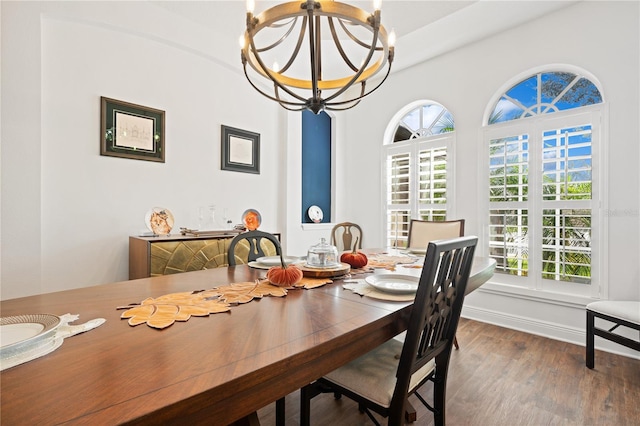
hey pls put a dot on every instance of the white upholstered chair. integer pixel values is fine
(621, 314)
(422, 232)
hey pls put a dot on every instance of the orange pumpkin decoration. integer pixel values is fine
(355, 258)
(284, 276)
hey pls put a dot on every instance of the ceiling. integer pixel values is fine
(403, 16)
(424, 28)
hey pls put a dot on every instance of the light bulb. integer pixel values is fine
(377, 4)
(392, 38)
(241, 41)
(251, 4)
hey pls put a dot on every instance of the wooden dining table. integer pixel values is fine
(217, 370)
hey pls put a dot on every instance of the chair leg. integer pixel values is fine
(305, 405)
(440, 394)
(455, 342)
(590, 350)
(410, 414)
(280, 412)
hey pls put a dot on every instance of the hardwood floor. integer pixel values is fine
(505, 377)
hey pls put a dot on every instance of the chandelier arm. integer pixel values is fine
(267, 72)
(356, 102)
(334, 105)
(287, 104)
(336, 41)
(368, 93)
(355, 77)
(276, 25)
(298, 45)
(281, 39)
(266, 95)
(354, 38)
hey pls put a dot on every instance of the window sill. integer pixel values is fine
(562, 299)
(317, 226)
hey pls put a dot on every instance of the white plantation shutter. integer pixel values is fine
(508, 197)
(567, 198)
(432, 181)
(398, 198)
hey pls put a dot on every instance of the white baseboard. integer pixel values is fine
(545, 329)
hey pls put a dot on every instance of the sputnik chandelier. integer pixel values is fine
(329, 51)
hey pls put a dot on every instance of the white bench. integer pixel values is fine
(620, 313)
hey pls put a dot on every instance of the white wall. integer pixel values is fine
(67, 212)
(600, 37)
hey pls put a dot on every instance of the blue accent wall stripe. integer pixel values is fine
(316, 164)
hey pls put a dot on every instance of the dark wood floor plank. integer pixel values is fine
(504, 377)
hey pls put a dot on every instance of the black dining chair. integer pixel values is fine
(254, 249)
(382, 379)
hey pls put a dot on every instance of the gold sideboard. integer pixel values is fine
(172, 254)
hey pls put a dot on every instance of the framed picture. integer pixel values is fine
(240, 150)
(131, 131)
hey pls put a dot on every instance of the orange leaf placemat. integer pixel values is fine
(163, 311)
(247, 291)
(310, 283)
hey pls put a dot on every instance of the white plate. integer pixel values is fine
(275, 260)
(29, 352)
(393, 283)
(24, 330)
(315, 214)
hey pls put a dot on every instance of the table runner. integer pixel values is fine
(163, 311)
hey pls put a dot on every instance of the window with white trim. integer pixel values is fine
(544, 144)
(417, 169)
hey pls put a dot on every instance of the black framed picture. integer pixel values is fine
(240, 150)
(131, 131)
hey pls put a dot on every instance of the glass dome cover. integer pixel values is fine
(322, 255)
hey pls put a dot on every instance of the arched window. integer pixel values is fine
(543, 141)
(418, 145)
